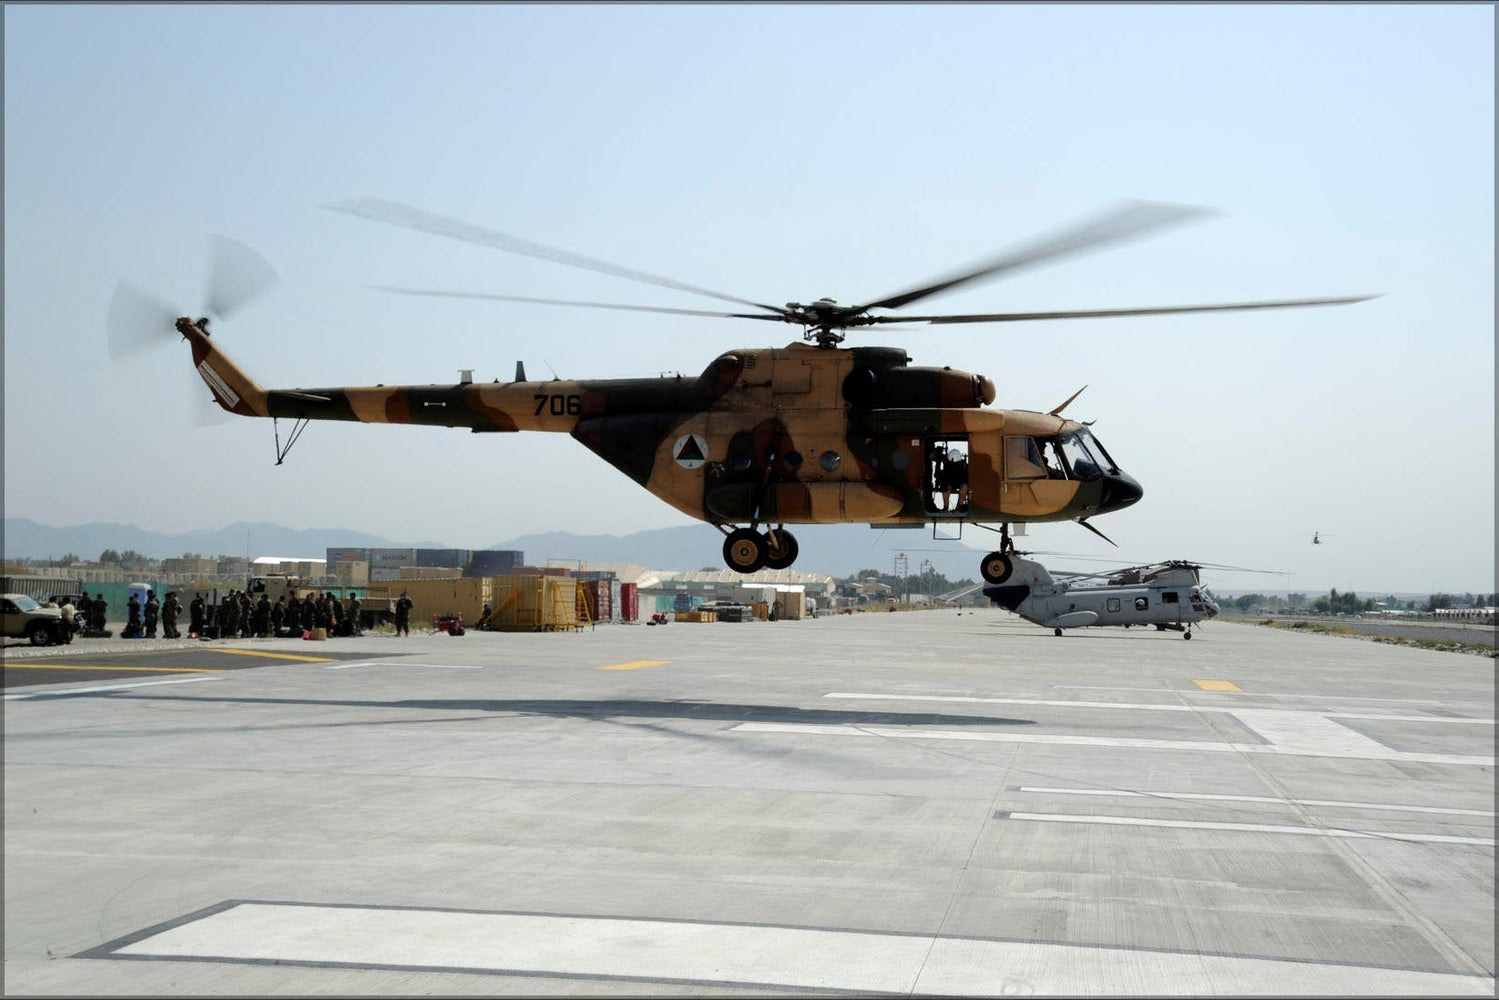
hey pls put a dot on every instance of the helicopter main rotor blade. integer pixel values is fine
(1131, 221)
(575, 302)
(237, 276)
(1093, 313)
(1240, 569)
(405, 216)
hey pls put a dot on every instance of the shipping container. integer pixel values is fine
(392, 558)
(629, 602)
(428, 573)
(599, 601)
(447, 558)
(494, 562)
(351, 573)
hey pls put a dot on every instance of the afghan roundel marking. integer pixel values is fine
(690, 451)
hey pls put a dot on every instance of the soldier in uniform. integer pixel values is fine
(336, 615)
(196, 612)
(152, 613)
(86, 610)
(278, 616)
(403, 615)
(263, 616)
(132, 618)
(246, 610)
(356, 627)
(97, 611)
(169, 612)
(230, 605)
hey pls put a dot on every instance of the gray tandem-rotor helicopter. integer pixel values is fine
(1168, 595)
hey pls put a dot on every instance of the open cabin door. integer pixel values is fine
(945, 489)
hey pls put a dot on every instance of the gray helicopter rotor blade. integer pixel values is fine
(237, 276)
(437, 293)
(1129, 221)
(407, 217)
(1146, 311)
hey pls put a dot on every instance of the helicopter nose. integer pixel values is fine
(1119, 491)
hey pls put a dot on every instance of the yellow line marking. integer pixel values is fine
(636, 665)
(1218, 685)
(74, 666)
(274, 656)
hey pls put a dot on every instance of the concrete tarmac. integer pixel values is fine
(925, 803)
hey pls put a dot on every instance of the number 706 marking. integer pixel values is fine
(558, 405)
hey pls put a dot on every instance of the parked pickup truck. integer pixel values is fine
(23, 618)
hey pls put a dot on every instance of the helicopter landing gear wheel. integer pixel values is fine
(1058, 631)
(1186, 635)
(782, 552)
(996, 567)
(744, 550)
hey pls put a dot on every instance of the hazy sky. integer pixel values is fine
(776, 153)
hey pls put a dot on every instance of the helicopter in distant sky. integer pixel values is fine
(1316, 538)
(1168, 595)
(764, 437)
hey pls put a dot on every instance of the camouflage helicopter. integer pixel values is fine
(812, 433)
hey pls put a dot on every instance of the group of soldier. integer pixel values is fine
(241, 616)
(237, 615)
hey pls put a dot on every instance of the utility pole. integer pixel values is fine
(903, 570)
(926, 573)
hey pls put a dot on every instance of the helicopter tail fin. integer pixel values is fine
(232, 389)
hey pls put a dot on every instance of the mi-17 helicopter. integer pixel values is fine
(812, 433)
(1168, 595)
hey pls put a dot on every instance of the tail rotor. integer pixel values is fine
(140, 321)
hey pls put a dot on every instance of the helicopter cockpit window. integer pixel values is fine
(1023, 459)
(1085, 456)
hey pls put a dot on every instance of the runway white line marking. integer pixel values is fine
(1254, 694)
(102, 687)
(1199, 796)
(784, 958)
(1155, 707)
(399, 663)
(1307, 831)
(1375, 751)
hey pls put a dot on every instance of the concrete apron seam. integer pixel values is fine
(1439, 939)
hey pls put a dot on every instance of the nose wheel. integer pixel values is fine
(997, 566)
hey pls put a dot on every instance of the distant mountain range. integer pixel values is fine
(835, 550)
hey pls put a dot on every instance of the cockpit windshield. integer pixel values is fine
(1085, 456)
